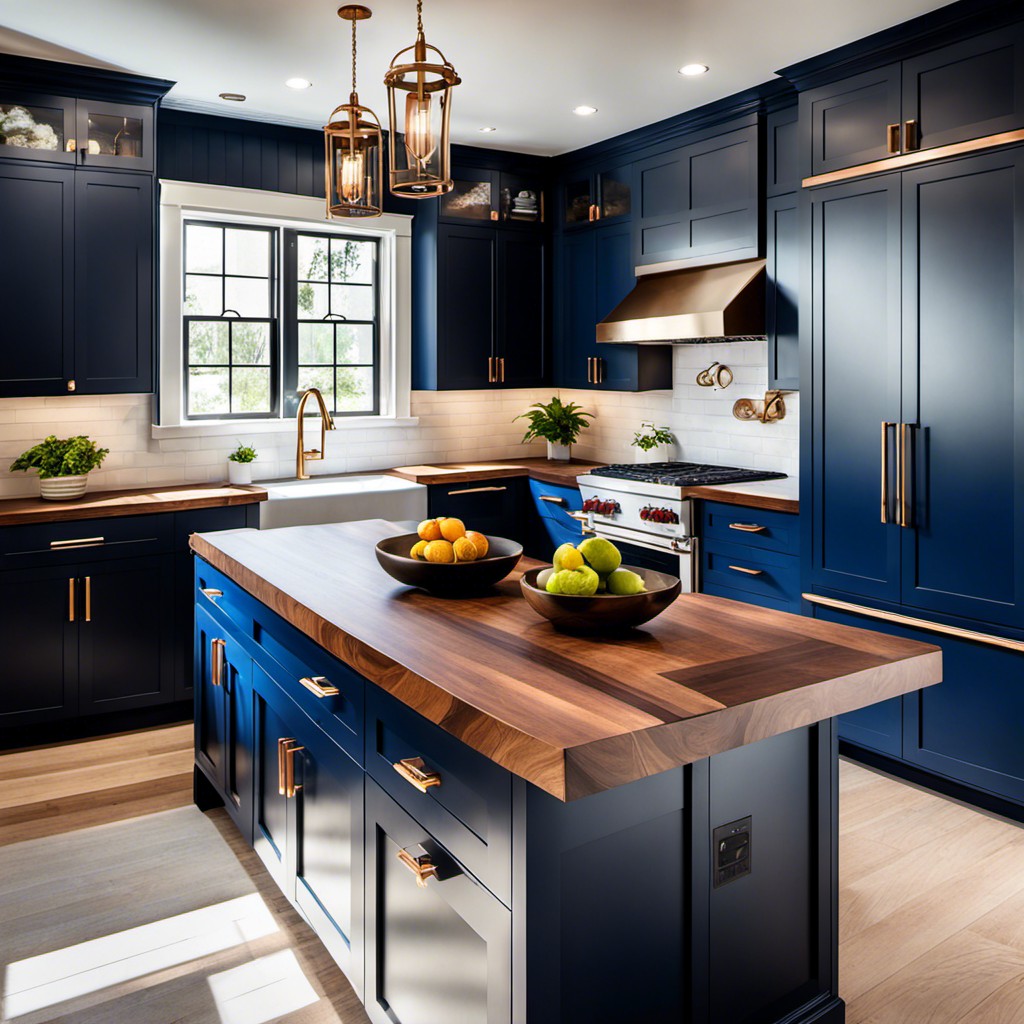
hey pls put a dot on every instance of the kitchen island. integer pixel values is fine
(486, 820)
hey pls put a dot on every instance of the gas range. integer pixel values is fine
(646, 505)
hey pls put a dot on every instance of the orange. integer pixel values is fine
(418, 548)
(429, 529)
(452, 529)
(439, 551)
(465, 550)
(480, 542)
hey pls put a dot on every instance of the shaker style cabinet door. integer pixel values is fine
(854, 316)
(115, 135)
(963, 389)
(37, 335)
(521, 325)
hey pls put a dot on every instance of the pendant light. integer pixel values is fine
(419, 157)
(353, 147)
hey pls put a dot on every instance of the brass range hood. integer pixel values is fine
(722, 302)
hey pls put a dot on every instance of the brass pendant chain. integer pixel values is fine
(353, 55)
(419, 16)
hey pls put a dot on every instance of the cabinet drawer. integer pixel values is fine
(469, 810)
(751, 527)
(767, 574)
(490, 506)
(208, 520)
(93, 539)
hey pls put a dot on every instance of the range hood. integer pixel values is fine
(723, 302)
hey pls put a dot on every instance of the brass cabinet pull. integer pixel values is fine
(590, 212)
(885, 469)
(746, 571)
(748, 527)
(905, 517)
(598, 370)
(551, 499)
(892, 138)
(422, 866)
(494, 214)
(211, 592)
(490, 369)
(413, 770)
(923, 624)
(72, 385)
(77, 542)
(590, 370)
(88, 599)
(71, 600)
(320, 685)
(475, 490)
(291, 787)
(217, 661)
(911, 139)
(280, 765)
(501, 363)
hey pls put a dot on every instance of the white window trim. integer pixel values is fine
(180, 201)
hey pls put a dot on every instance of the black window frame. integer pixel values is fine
(273, 235)
(290, 331)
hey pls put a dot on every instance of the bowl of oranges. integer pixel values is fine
(442, 556)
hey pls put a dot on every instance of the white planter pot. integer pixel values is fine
(239, 472)
(561, 452)
(63, 488)
(654, 455)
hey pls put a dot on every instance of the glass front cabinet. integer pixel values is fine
(598, 196)
(492, 197)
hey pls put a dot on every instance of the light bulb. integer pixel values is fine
(350, 176)
(419, 134)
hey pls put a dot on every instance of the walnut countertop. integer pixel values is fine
(573, 715)
(135, 502)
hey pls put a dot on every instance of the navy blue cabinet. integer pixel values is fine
(967, 90)
(700, 202)
(493, 507)
(594, 274)
(782, 295)
(782, 130)
(597, 194)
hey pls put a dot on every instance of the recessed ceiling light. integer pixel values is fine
(487, 128)
(692, 70)
(298, 83)
(584, 111)
(235, 97)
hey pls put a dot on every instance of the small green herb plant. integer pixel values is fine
(649, 436)
(70, 456)
(555, 422)
(243, 453)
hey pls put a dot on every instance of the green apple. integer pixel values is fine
(623, 582)
(602, 555)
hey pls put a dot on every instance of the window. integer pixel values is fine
(245, 360)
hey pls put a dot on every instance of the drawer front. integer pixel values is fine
(751, 527)
(208, 520)
(490, 506)
(555, 502)
(764, 574)
(84, 539)
(289, 657)
(469, 811)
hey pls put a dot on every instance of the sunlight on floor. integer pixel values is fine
(263, 990)
(63, 974)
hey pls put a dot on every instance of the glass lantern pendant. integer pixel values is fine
(419, 157)
(353, 147)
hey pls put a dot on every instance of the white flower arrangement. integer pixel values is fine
(19, 128)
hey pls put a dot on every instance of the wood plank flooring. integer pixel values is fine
(931, 895)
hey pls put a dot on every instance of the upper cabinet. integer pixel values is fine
(782, 250)
(115, 135)
(967, 90)
(597, 195)
(493, 197)
(700, 202)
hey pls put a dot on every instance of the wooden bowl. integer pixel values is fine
(453, 579)
(602, 612)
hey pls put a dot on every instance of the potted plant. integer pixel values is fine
(650, 440)
(63, 464)
(558, 424)
(240, 464)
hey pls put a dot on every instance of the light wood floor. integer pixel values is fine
(931, 893)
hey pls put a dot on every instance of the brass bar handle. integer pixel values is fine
(211, 592)
(413, 770)
(217, 661)
(542, 207)
(925, 625)
(905, 515)
(71, 600)
(281, 744)
(320, 686)
(911, 138)
(291, 787)
(885, 469)
(552, 499)
(88, 599)
(590, 370)
(77, 542)
(422, 866)
(748, 527)
(748, 572)
(598, 370)
(501, 363)
(892, 138)
(476, 490)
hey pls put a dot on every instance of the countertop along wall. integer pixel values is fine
(453, 426)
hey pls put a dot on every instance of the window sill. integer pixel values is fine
(223, 428)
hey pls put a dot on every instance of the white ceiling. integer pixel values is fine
(524, 65)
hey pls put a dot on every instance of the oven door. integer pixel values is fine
(676, 556)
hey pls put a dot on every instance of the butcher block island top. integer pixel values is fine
(573, 715)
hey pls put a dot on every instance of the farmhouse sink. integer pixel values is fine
(341, 499)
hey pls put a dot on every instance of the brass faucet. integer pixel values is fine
(326, 423)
